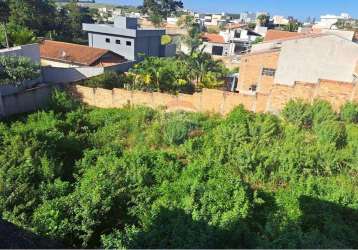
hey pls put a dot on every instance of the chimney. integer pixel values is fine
(125, 22)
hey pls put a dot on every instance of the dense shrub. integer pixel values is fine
(322, 111)
(298, 112)
(349, 112)
(142, 178)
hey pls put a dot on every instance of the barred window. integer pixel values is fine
(253, 88)
(268, 72)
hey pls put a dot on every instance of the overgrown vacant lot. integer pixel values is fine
(143, 178)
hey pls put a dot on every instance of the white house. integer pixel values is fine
(329, 21)
(280, 20)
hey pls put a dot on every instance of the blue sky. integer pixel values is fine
(298, 8)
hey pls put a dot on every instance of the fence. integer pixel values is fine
(222, 102)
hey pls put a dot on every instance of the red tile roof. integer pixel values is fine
(74, 53)
(279, 35)
(213, 38)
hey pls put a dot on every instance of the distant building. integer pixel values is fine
(329, 21)
(125, 38)
(246, 17)
(215, 19)
(229, 42)
(280, 20)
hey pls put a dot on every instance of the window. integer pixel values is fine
(118, 41)
(253, 88)
(268, 72)
(129, 43)
(108, 40)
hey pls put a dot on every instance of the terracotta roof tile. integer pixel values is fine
(213, 38)
(235, 25)
(73, 53)
(279, 35)
(303, 36)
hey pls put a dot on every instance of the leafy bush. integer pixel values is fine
(298, 113)
(177, 74)
(332, 132)
(322, 111)
(17, 69)
(142, 178)
(349, 112)
(62, 102)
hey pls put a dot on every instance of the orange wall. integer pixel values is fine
(217, 101)
(250, 71)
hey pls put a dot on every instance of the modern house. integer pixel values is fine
(307, 59)
(67, 62)
(69, 55)
(127, 39)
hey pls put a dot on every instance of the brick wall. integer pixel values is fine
(217, 101)
(251, 68)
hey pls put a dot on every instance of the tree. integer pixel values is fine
(263, 19)
(193, 37)
(15, 70)
(160, 9)
(36, 15)
(17, 35)
(73, 16)
(292, 26)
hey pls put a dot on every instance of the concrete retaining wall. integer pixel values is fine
(68, 75)
(26, 101)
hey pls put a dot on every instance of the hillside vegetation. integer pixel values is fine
(143, 178)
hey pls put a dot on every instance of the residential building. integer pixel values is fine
(216, 45)
(280, 20)
(125, 38)
(67, 62)
(229, 42)
(246, 17)
(329, 21)
(215, 19)
(307, 59)
(70, 55)
(261, 30)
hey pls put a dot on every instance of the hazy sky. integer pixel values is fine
(297, 8)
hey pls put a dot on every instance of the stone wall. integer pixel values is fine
(222, 102)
